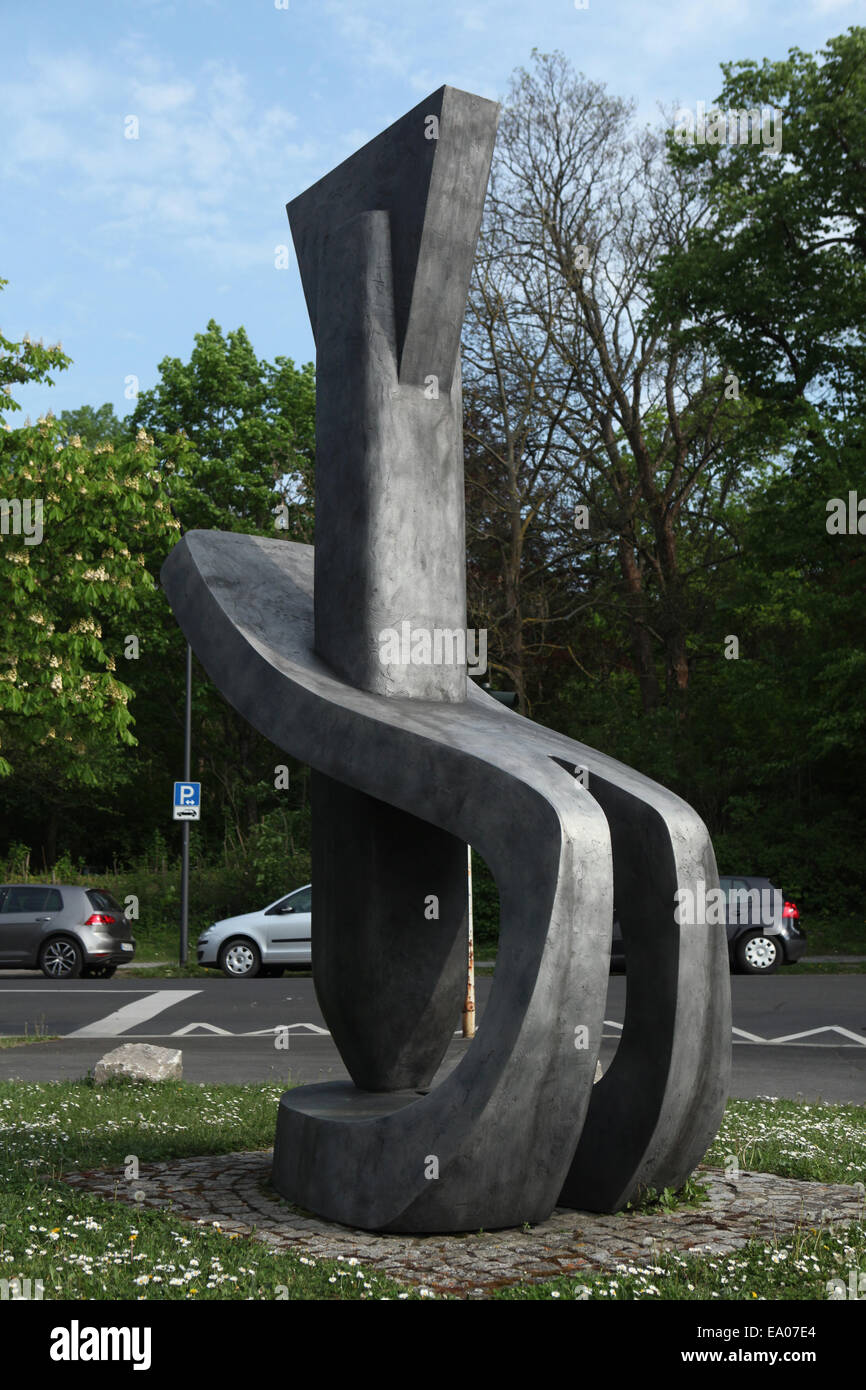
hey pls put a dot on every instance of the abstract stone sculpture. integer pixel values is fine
(412, 761)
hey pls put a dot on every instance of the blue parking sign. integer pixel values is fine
(187, 800)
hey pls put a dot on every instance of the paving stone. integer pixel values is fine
(232, 1191)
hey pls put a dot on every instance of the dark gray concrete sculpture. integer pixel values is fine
(412, 762)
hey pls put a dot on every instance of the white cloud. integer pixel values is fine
(208, 161)
(61, 83)
(676, 29)
(379, 43)
(161, 96)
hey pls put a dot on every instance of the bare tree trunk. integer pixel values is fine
(641, 641)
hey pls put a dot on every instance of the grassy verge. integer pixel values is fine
(831, 936)
(81, 1247)
(12, 1041)
(484, 963)
(169, 971)
(818, 1143)
(184, 972)
(815, 1264)
(826, 968)
(85, 1247)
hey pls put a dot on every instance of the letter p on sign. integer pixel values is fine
(187, 800)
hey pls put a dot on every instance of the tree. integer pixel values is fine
(772, 278)
(24, 363)
(587, 399)
(93, 426)
(252, 426)
(76, 588)
(774, 274)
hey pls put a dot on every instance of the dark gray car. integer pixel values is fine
(63, 929)
(762, 926)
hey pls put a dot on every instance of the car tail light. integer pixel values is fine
(100, 919)
(790, 910)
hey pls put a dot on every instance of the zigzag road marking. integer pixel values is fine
(813, 1032)
(744, 1036)
(210, 1028)
(139, 1011)
(856, 1038)
(207, 1027)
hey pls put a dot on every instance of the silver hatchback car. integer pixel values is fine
(261, 943)
(63, 929)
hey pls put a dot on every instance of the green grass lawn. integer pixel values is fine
(85, 1247)
(800, 1267)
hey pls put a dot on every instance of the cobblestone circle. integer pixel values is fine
(233, 1191)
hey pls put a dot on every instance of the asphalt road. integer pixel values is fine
(796, 1036)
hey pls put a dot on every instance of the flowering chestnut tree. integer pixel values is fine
(75, 523)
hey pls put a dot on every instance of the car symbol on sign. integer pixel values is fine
(187, 800)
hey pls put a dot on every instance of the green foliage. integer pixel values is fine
(772, 280)
(73, 587)
(278, 847)
(485, 904)
(25, 363)
(775, 276)
(692, 1193)
(251, 425)
(91, 729)
(93, 426)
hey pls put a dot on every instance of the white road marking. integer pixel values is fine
(208, 1028)
(139, 1011)
(811, 1033)
(214, 1034)
(285, 1028)
(157, 1000)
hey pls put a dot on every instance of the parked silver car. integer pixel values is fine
(261, 943)
(63, 929)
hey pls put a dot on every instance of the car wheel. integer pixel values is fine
(61, 959)
(758, 954)
(240, 959)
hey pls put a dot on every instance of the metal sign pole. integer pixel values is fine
(184, 869)
(469, 1002)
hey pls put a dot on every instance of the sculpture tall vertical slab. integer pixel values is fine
(412, 761)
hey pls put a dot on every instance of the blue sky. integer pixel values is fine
(122, 249)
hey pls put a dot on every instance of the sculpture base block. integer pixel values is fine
(310, 1148)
